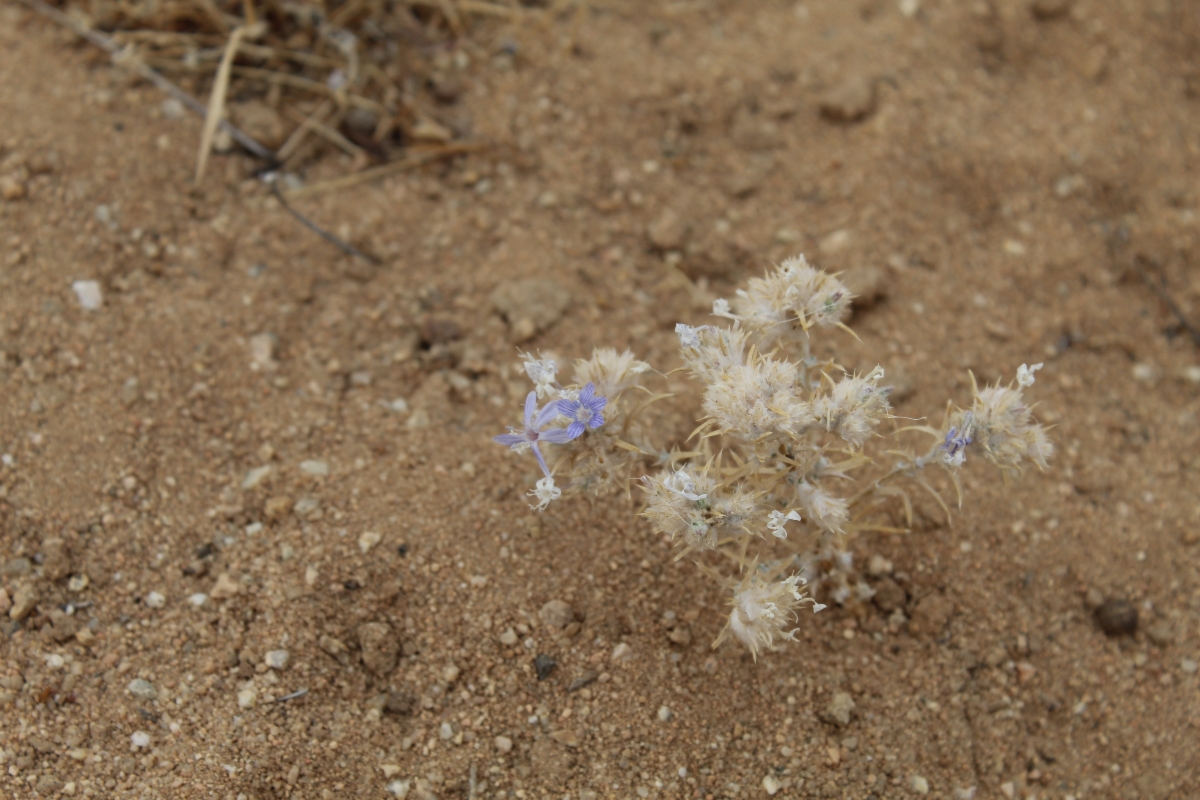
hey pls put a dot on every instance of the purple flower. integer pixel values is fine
(534, 422)
(586, 412)
(956, 442)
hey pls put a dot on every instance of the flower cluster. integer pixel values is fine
(763, 489)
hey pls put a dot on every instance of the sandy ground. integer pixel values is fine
(301, 441)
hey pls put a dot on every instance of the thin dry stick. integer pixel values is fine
(344, 246)
(410, 162)
(325, 132)
(1160, 289)
(216, 101)
(109, 46)
(298, 135)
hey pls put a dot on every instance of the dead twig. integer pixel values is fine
(1159, 288)
(109, 46)
(216, 100)
(412, 161)
(345, 247)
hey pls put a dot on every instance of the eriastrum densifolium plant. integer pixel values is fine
(771, 487)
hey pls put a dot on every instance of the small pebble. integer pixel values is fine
(622, 652)
(1117, 617)
(1189, 666)
(557, 614)
(155, 600)
(771, 784)
(544, 665)
(277, 659)
(225, 588)
(142, 688)
(664, 714)
(55, 661)
(367, 540)
(247, 698)
(504, 744)
(839, 709)
(89, 295)
(316, 469)
(198, 599)
(508, 638)
(140, 739)
(919, 785)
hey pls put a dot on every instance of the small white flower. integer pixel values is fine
(776, 521)
(721, 308)
(688, 336)
(955, 460)
(1025, 374)
(543, 372)
(546, 492)
(682, 484)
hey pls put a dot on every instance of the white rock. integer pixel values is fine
(771, 784)
(89, 295)
(664, 714)
(262, 350)
(155, 600)
(277, 659)
(368, 539)
(317, 469)
(622, 652)
(508, 638)
(256, 476)
(140, 739)
(504, 744)
(55, 661)
(198, 599)
(398, 788)
(919, 785)
(247, 698)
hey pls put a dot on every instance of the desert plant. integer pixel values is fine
(776, 481)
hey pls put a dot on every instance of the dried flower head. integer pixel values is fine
(763, 609)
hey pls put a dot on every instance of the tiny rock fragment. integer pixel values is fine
(277, 659)
(143, 689)
(155, 600)
(77, 583)
(771, 784)
(11, 188)
(566, 737)
(89, 295)
(225, 588)
(504, 744)
(380, 647)
(276, 508)
(262, 350)
(508, 638)
(919, 785)
(667, 232)
(931, 615)
(583, 680)
(368, 539)
(1025, 671)
(85, 637)
(334, 647)
(531, 304)
(1161, 633)
(1117, 617)
(680, 636)
(849, 101)
(1094, 598)
(56, 562)
(838, 710)
(315, 469)
(664, 714)
(139, 739)
(622, 652)
(24, 601)
(247, 698)
(557, 614)
(878, 565)
(256, 476)
(544, 665)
